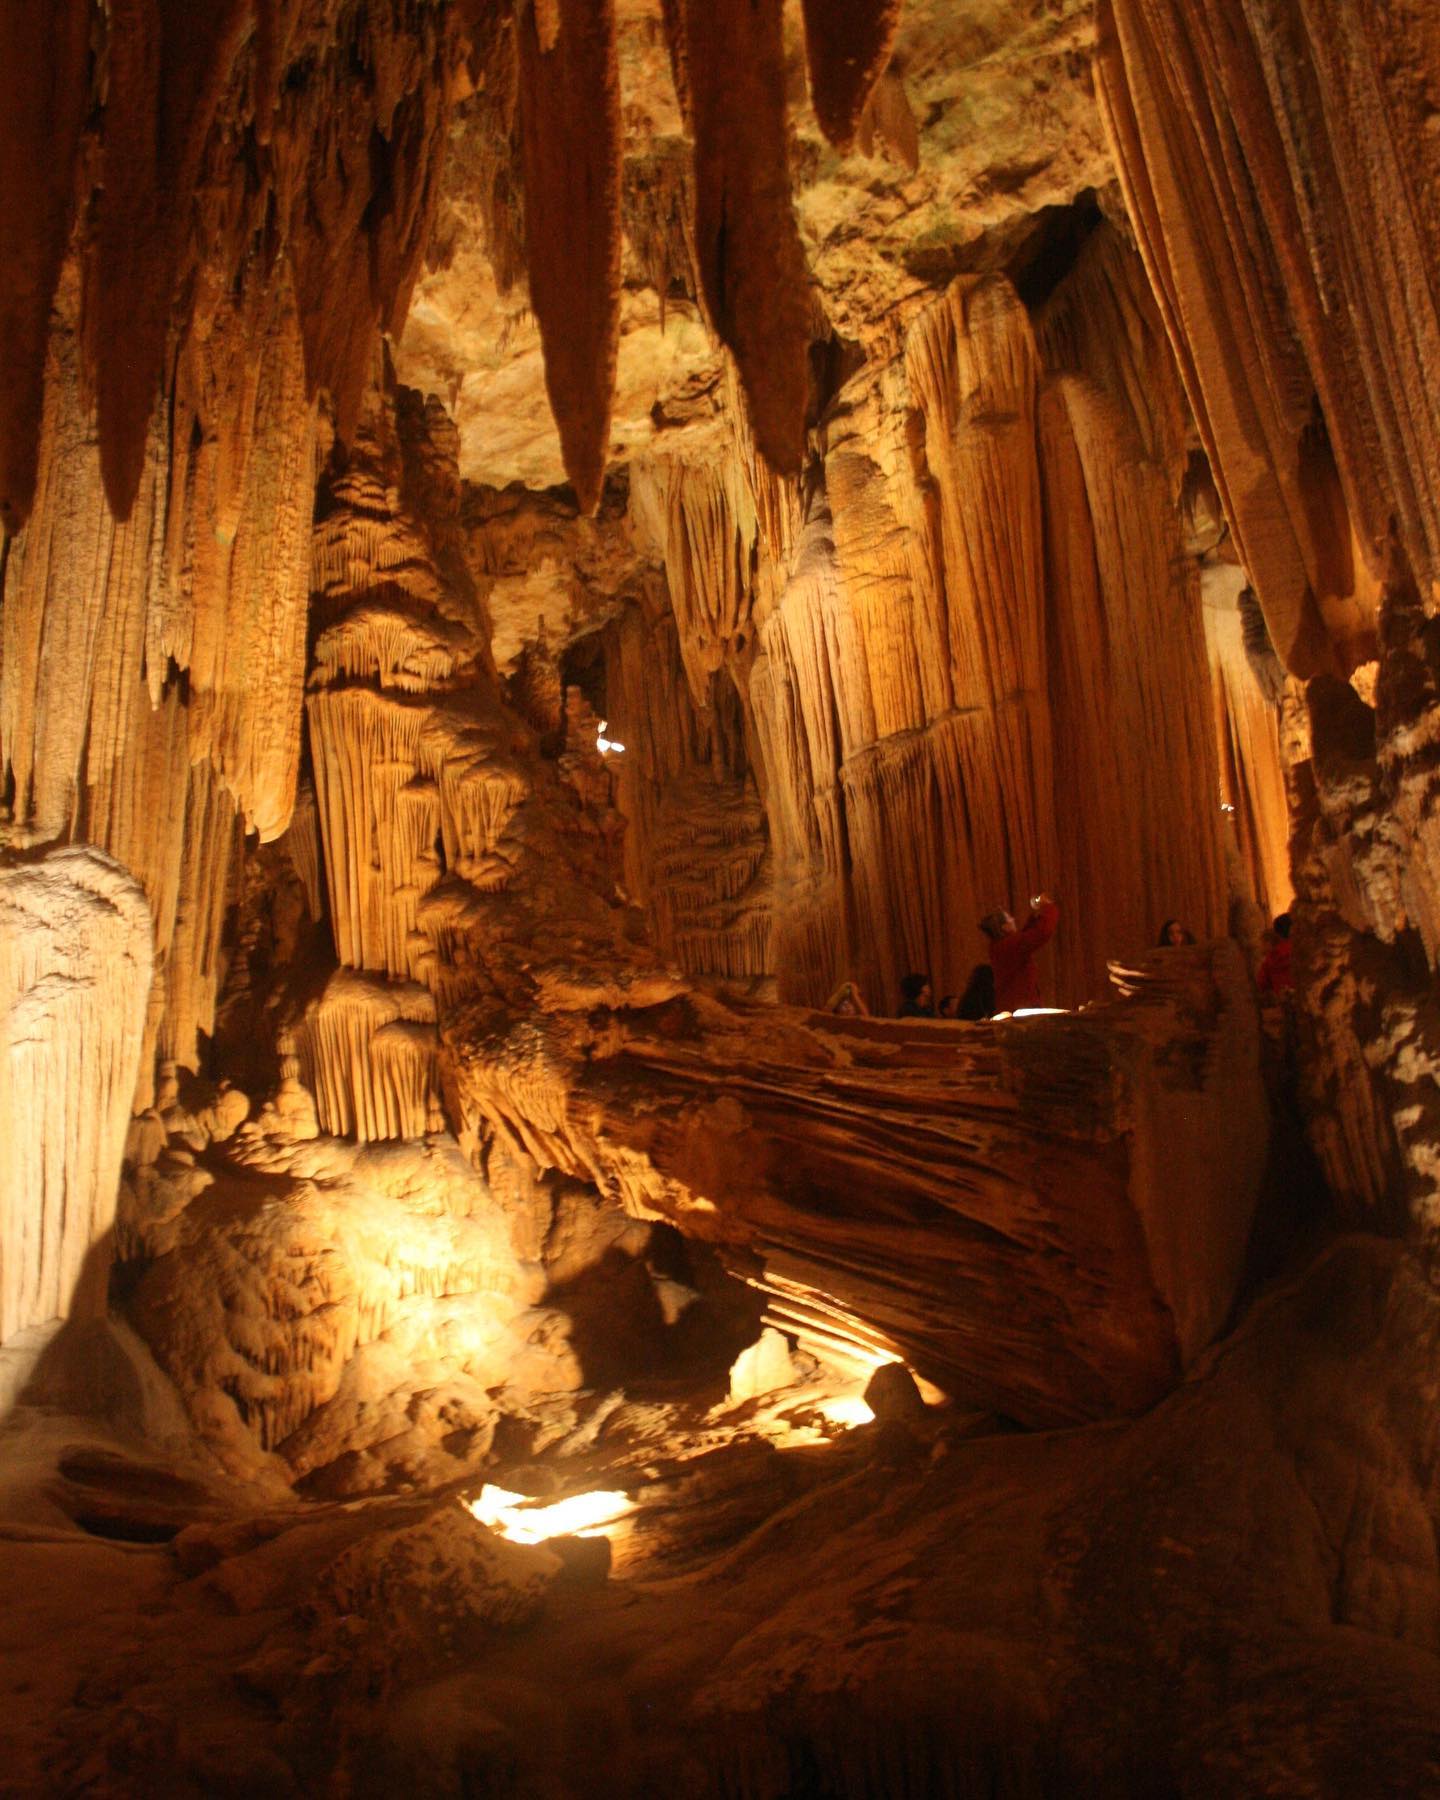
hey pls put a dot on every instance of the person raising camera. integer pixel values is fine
(1012, 951)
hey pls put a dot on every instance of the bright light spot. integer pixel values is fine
(607, 746)
(526, 1521)
(1225, 806)
(845, 1410)
(1036, 1012)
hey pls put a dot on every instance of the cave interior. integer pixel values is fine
(557, 557)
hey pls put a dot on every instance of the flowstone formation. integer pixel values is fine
(547, 543)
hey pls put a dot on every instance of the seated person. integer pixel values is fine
(846, 1002)
(917, 998)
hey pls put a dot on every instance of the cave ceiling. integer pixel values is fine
(991, 120)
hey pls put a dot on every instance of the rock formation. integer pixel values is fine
(540, 540)
(75, 973)
(1283, 230)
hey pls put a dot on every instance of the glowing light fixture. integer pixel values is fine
(607, 746)
(527, 1521)
(1036, 1012)
(845, 1410)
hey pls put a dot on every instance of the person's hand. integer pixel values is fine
(1039, 900)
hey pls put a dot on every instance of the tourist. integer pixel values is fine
(978, 1000)
(1173, 934)
(847, 1003)
(917, 998)
(1012, 952)
(1276, 975)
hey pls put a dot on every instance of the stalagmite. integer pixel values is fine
(75, 960)
(570, 149)
(313, 1301)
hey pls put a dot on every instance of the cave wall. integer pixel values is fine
(969, 645)
(1282, 177)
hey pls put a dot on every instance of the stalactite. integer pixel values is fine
(75, 965)
(378, 822)
(570, 148)
(301, 844)
(243, 496)
(44, 94)
(369, 218)
(696, 844)
(1283, 229)
(1266, 300)
(1138, 792)
(85, 746)
(847, 47)
(368, 1054)
(710, 535)
(712, 903)
(658, 205)
(673, 14)
(932, 640)
(177, 203)
(973, 368)
(186, 657)
(752, 266)
(164, 78)
(193, 964)
(1247, 729)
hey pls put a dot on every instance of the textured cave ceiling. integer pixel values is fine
(1004, 123)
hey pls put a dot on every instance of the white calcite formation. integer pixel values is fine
(75, 966)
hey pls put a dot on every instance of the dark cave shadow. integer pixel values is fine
(618, 1328)
(124, 1466)
(1296, 1213)
(76, 1370)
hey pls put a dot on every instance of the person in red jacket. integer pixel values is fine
(1276, 975)
(1012, 952)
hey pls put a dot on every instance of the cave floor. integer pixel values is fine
(1237, 1593)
